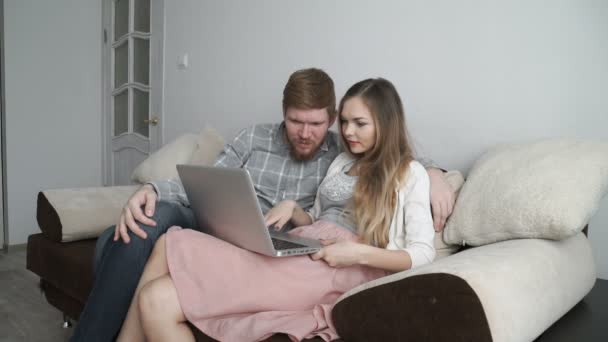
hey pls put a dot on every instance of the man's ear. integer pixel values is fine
(332, 120)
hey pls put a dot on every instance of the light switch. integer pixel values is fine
(182, 61)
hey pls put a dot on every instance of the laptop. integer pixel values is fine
(225, 204)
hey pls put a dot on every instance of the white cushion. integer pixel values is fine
(201, 149)
(208, 145)
(161, 164)
(547, 189)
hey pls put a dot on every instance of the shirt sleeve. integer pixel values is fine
(170, 190)
(416, 234)
(236, 153)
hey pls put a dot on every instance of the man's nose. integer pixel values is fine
(305, 131)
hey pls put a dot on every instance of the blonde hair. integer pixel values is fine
(383, 168)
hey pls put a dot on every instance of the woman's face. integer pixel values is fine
(357, 125)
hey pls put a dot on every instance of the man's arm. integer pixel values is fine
(442, 197)
(442, 194)
(236, 153)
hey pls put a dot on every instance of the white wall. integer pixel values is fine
(472, 73)
(53, 101)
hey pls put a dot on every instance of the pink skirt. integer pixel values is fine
(232, 294)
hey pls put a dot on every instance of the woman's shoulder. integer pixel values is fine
(417, 168)
(343, 159)
(416, 173)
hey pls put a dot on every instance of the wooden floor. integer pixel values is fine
(25, 314)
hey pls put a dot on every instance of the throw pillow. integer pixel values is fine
(547, 189)
(209, 144)
(160, 165)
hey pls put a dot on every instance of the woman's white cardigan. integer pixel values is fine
(411, 228)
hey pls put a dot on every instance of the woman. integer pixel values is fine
(372, 214)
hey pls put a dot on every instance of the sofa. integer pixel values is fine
(512, 260)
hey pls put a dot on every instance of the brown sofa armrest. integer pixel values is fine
(427, 307)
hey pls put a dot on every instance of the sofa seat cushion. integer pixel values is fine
(523, 286)
(66, 266)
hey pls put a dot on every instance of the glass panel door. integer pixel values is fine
(131, 67)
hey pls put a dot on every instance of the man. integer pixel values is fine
(286, 161)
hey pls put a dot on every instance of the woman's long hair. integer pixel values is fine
(383, 168)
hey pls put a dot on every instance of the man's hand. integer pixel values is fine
(280, 214)
(132, 213)
(442, 198)
(339, 253)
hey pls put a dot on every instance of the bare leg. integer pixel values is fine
(155, 267)
(161, 313)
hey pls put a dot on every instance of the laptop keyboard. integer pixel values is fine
(280, 245)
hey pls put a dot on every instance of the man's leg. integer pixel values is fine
(117, 274)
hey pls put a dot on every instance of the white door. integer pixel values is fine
(3, 233)
(133, 51)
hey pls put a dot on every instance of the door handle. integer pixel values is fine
(152, 122)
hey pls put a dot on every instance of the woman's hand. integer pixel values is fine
(340, 253)
(280, 214)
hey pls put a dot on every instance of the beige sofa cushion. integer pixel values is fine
(547, 189)
(82, 213)
(208, 145)
(201, 149)
(161, 164)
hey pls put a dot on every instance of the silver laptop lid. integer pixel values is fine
(226, 206)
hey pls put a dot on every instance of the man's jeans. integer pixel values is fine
(118, 267)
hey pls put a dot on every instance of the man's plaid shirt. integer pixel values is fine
(265, 153)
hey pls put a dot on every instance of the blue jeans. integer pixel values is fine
(118, 267)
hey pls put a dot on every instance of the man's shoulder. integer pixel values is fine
(262, 129)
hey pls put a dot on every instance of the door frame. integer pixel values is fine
(156, 94)
(4, 202)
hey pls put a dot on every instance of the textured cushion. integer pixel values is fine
(516, 289)
(208, 145)
(547, 189)
(76, 214)
(201, 149)
(161, 164)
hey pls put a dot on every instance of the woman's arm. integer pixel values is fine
(348, 253)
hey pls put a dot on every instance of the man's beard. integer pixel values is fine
(301, 156)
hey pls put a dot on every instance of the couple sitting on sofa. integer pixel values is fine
(370, 207)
